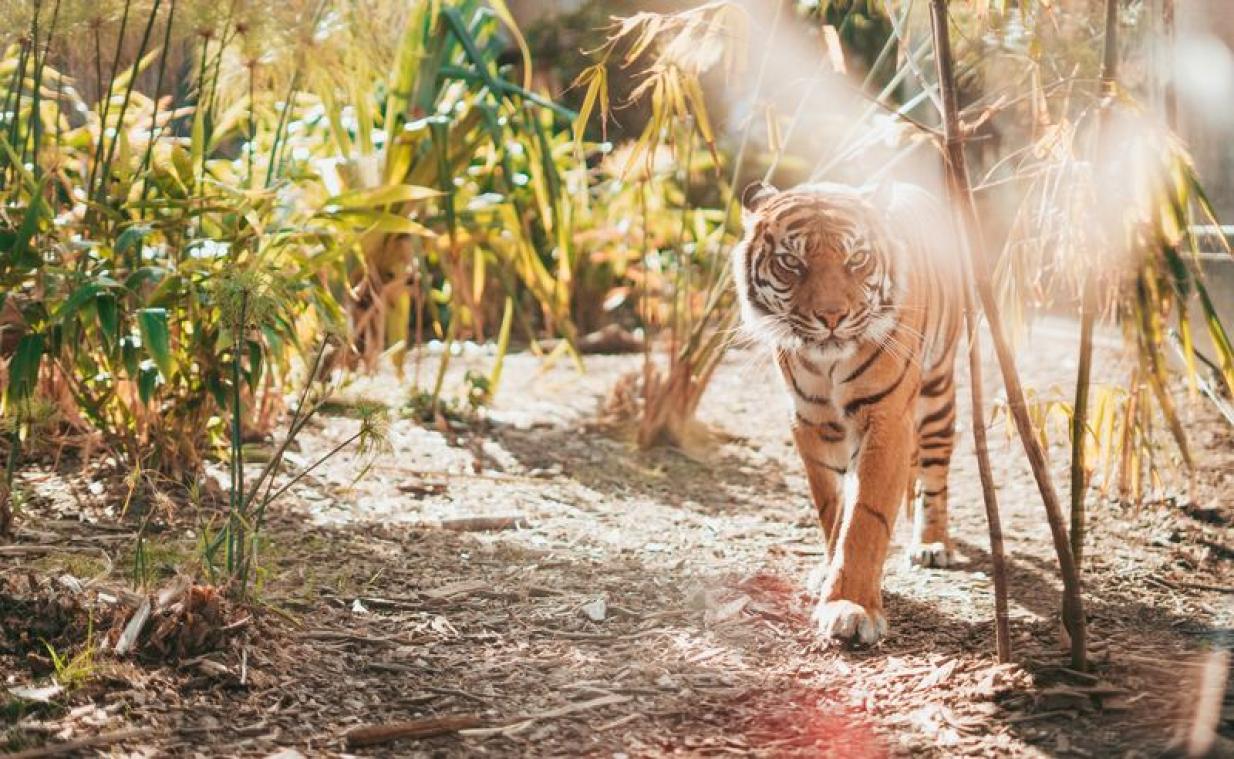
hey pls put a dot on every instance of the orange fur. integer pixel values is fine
(859, 304)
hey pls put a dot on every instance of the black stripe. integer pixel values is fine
(807, 364)
(934, 462)
(934, 493)
(832, 432)
(939, 414)
(877, 515)
(852, 406)
(798, 223)
(942, 432)
(811, 424)
(807, 397)
(860, 370)
(936, 445)
(937, 386)
(816, 462)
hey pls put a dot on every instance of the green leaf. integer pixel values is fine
(79, 297)
(24, 368)
(147, 381)
(156, 337)
(23, 255)
(129, 354)
(143, 275)
(109, 317)
(131, 237)
(254, 370)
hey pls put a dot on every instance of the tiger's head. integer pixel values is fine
(816, 269)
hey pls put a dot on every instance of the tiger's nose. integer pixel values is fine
(831, 316)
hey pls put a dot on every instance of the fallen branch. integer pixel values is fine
(372, 735)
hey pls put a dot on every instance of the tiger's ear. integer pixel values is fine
(756, 194)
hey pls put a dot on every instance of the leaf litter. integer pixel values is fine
(577, 597)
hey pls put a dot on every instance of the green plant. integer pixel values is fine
(76, 670)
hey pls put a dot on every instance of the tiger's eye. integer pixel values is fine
(788, 264)
(858, 259)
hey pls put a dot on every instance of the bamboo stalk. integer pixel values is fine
(998, 561)
(960, 190)
(1079, 416)
(1088, 306)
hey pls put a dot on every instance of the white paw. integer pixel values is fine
(850, 623)
(931, 555)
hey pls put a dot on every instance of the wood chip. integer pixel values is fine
(133, 629)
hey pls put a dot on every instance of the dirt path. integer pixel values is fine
(655, 604)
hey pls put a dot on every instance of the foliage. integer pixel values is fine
(364, 170)
(74, 671)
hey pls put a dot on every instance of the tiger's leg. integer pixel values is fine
(851, 603)
(931, 545)
(825, 456)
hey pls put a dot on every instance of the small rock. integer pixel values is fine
(596, 611)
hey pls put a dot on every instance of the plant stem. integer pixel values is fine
(105, 105)
(235, 538)
(124, 105)
(960, 190)
(19, 78)
(1079, 417)
(148, 156)
(1088, 301)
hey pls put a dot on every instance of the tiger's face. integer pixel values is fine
(816, 269)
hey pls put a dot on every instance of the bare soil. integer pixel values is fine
(641, 604)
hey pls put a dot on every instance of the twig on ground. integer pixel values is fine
(372, 735)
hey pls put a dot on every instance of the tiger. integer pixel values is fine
(856, 291)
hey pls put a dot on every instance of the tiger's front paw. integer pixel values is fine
(849, 623)
(927, 555)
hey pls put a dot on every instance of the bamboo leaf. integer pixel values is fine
(131, 237)
(503, 13)
(156, 337)
(109, 317)
(382, 196)
(24, 366)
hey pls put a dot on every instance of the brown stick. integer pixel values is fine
(960, 189)
(1088, 305)
(372, 735)
(94, 741)
(998, 561)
